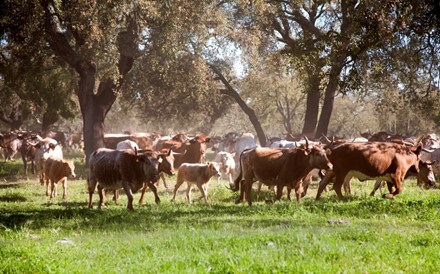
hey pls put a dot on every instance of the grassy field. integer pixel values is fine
(363, 235)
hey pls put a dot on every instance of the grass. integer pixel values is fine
(362, 235)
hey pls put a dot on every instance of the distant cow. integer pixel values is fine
(278, 167)
(198, 174)
(227, 165)
(373, 160)
(10, 144)
(58, 170)
(115, 169)
(28, 150)
(127, 144)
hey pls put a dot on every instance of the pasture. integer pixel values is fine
(362, 235)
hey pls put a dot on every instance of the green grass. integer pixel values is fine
(382, 236)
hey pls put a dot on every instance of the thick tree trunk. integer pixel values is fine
(329, 99)
(312, 106)
(230, 91)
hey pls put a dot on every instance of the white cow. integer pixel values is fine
(227, 165)
(127, 144)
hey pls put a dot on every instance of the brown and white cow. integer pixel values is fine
(278, 167)
(58, 170)
(115, 169)
(374, 160)
(198, 174)
(45, 148)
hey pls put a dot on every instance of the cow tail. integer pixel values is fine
(236, 186)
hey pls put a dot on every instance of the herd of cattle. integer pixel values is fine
(134, 162)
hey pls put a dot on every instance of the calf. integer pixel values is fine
(58, 170)
(227, 165)
(198, 174)
(114, 169)
(373, 160)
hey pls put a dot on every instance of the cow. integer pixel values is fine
(198, 174)
(115, 169)
(58, 170)
(425, 177)
(45, 148)
(166, 166)
(278, 167)
(191, 151)
(127, 144)
(234, 143)
(10, 144)
(373, 160)
(28, 150)
(227, 165)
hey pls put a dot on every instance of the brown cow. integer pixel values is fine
(373, 160)
(115, 169)
(10, 144)
(198, 174)
(192, 151)
(278, 167)
(58, 170)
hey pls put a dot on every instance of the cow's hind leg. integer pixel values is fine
(64, 182)
(129, 194)
(144, 189)
(188, 193)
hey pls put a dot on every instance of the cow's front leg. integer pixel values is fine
(203, 191)
(64, 182)
(154, 189)
(129, 194)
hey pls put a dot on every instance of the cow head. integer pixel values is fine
(318, 157)
(213, 169)
(149, 163)
(167, 161)
(69, 168)
(426, 174)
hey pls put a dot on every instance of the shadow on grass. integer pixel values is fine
(13, 198)
(9, 185)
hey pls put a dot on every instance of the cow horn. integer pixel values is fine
(307, 142)
(135, 151)
(428, 150)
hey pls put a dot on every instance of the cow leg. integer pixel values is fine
(329, 176)
(47, 186)
(154, 189)
(337, 186)
(116, 196)
(347, 184)
(64, 181)
(188, 193)
(377, 185)
(240, 199)
(203, 191)
(129, 194)
(248, 191)
(144, 189)
(176, 187)
(397, 183)
(25, 165)
(101, 194)
(162, 175)
(306, 183)
(91, 185)
(33, 167)
(298, 190)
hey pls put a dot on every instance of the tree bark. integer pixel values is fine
(312, 105)
(230, 91)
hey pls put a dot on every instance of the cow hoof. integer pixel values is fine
(237, 201)
(388, 196)
(269, 202)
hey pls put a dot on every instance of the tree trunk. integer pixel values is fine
(312, 106)
(329, 99)
(230, 91)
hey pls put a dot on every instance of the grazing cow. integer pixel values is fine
(58, 170)
(115, 169)
(373, 160)
(278, 167)
(198, 174)
(425, 177)
(227, 165)
(433, 156)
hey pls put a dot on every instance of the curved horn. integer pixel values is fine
(307, 142)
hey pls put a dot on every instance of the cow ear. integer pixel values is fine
(328, 151)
